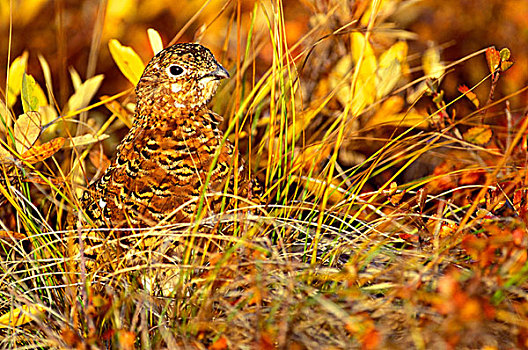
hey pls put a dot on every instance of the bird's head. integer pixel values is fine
(184, 75)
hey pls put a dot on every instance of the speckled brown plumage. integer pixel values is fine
(164, 163)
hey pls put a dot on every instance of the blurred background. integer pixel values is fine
(66, 32)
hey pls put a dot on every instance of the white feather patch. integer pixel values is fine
(176, 87)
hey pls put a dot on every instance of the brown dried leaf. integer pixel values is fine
(11, 236)
(27, 130)
(5, 155)
(86, 139)
(46, 181)
(116, 108)
(99, 159)
(39, 153)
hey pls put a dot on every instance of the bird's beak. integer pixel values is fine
(219, 73)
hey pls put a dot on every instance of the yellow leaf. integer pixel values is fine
(361, 47)
(431, 63)
(86, 139)
(414, 94)
(155, 40)
(409, 119)
(84, 93)
(364, 95)
(47, 115)
(27, 131)
(310, 158)
(317, 187)
(127, 60)
(20, 316)
(47, 74)
(390, 68)
(16, 72)
(340, 79)
(75, 78)
(390, 106)
(38, 153)
(336, 79)
(478, 135)
(119, 12)
(365, 88)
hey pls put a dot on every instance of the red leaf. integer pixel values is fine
(493, 58)
(470, 95)
(219, 344)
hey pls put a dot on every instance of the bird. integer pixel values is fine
(174, 153)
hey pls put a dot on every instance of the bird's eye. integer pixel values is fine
(174, 70)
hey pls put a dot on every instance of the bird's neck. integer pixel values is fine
(174, 117)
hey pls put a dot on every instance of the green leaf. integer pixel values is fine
(505, 54)
(30, 102)
(479, 135)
